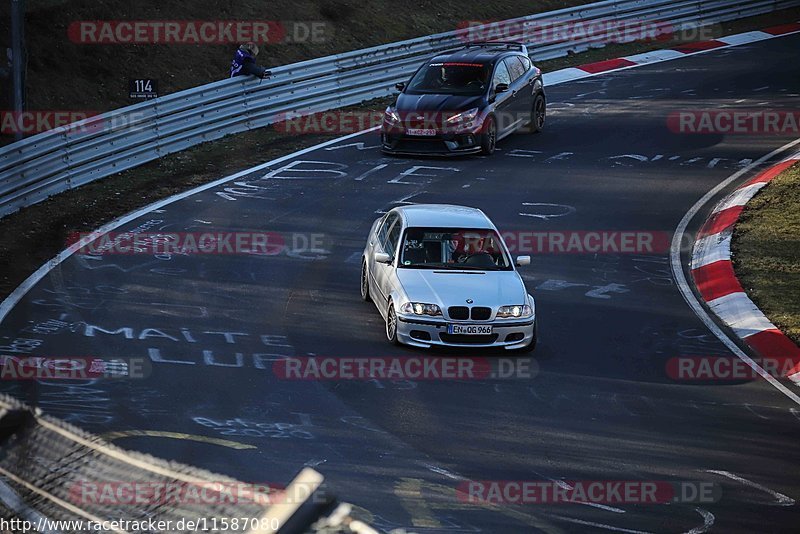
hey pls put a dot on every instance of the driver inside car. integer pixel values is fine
(463, 246)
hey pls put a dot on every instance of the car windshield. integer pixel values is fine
(451, 78)
(453, 248)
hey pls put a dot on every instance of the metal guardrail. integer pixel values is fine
(67, 157)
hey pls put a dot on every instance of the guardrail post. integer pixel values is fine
(18, 57)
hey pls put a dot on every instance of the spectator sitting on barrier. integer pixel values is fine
(244, 62)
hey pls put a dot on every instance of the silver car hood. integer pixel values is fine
(453, 288)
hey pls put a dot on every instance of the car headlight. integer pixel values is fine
(463, 117)
(420, 308)
(391, 117)
(516, 311)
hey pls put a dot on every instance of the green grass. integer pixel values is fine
(766, 251)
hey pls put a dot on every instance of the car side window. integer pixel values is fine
(383, 228)
(390, 245)
(383, 234)
(526, 62)
(515, 68)
(501, 74)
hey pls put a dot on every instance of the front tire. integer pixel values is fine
(489, 137)
(364, 281)
(391, 324)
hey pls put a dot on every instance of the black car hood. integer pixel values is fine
(437, 103)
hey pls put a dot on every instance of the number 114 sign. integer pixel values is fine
(142, 88)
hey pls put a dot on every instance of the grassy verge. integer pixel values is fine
(766, 251)
(94, 76)
(33, 235)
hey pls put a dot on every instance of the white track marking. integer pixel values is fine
(443, 472)
(708, 522)
(561, 484)
(780, 498)
(603, 507)
(41, 272)
(596, 525)
(563, 208)
(359, 145)
(372, 170)
(686, 290)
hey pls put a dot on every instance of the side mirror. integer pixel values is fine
(382, 257)
(523, 260)
(501, 88)
(400, 86)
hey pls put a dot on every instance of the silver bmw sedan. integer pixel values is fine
(442, 275)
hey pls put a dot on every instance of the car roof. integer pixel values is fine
(444, 216)
(476, 55)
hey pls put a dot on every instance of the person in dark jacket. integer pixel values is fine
(244, 62)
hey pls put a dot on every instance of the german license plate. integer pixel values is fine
(469, 329)
(428, 132)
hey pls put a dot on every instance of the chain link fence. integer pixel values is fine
(57, 478)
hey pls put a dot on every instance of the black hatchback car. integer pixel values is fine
(463, 102)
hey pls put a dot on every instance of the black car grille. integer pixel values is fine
(462, 313)
(468, 340)
(480, 313)
(426, 145)
(459, 313)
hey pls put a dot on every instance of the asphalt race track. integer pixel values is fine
(601, 406)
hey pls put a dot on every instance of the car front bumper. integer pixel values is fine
(420, 332)
(456, 144)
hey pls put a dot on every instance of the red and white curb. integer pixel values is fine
(715, 279)
(657, 56)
